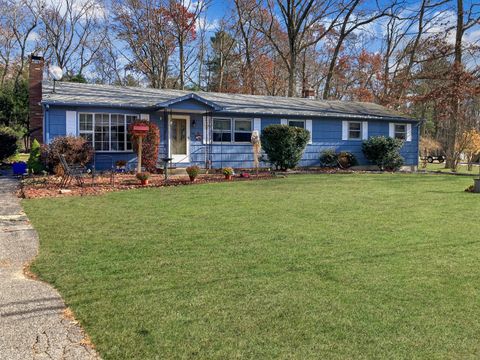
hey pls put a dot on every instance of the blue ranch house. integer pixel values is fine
(212, 130)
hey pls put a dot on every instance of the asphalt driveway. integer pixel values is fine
(32, 320)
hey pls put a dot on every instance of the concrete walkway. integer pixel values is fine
(32, 324)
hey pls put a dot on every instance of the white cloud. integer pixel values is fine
(208, 25)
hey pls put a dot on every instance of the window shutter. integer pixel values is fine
(364, 130)
(284, 121)
(409, 132)
(391, 130)
(71, 123)
(145, 117)
(257, 125)
(309, 127)
(205, 139)
(344, 130)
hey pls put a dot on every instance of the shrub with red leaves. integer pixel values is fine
(150, 144)
(75, 149)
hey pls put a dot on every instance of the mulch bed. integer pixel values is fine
(48, 186)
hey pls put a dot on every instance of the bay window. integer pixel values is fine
(106, 132)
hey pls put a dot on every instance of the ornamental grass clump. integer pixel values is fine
(257, 148)
(34, 162)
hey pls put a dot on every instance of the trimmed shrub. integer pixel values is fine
(75, 149)
(284, 145)
(150, 144)
(328, 158)
(34, 162)
(193, 171)
(346, 160)
(384, 152)
(8, 143)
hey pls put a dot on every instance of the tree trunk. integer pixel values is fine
(182, 63)
(292, 69)
(452, 156)
(331, 68)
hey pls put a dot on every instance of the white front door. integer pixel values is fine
(179, 130)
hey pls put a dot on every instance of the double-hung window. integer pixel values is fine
(106, 132)
(243, 130)
(400, 131)
(222, 130)
(85, 127)
(232, 130)
(354, 130)
(297, 123)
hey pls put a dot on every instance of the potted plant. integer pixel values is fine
(228, 172)
(121, 165)
(143, 177)
(192, 172)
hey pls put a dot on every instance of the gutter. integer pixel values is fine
(270, 114)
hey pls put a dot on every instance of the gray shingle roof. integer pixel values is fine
(76, 94)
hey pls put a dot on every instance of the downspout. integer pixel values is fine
(46, 124)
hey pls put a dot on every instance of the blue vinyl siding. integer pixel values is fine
(326, 134)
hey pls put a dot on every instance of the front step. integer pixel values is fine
(177, 171)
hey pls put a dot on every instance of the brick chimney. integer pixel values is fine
(35, 76)
(308, 93)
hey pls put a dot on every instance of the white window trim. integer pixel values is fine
(408, 131)
(300, 120)
(80, 132)
(213, 130)
(241, 131)
(181, 158)
(402, 132)
(232, 130)
(361, 130)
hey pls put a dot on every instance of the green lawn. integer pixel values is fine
(306, 267)
(462, 169)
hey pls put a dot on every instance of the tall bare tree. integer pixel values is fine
(292, 26)
(351, 22)
(183, 15)
(17, 24)
(144, 28)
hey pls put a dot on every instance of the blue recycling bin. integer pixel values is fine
(19, 168)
